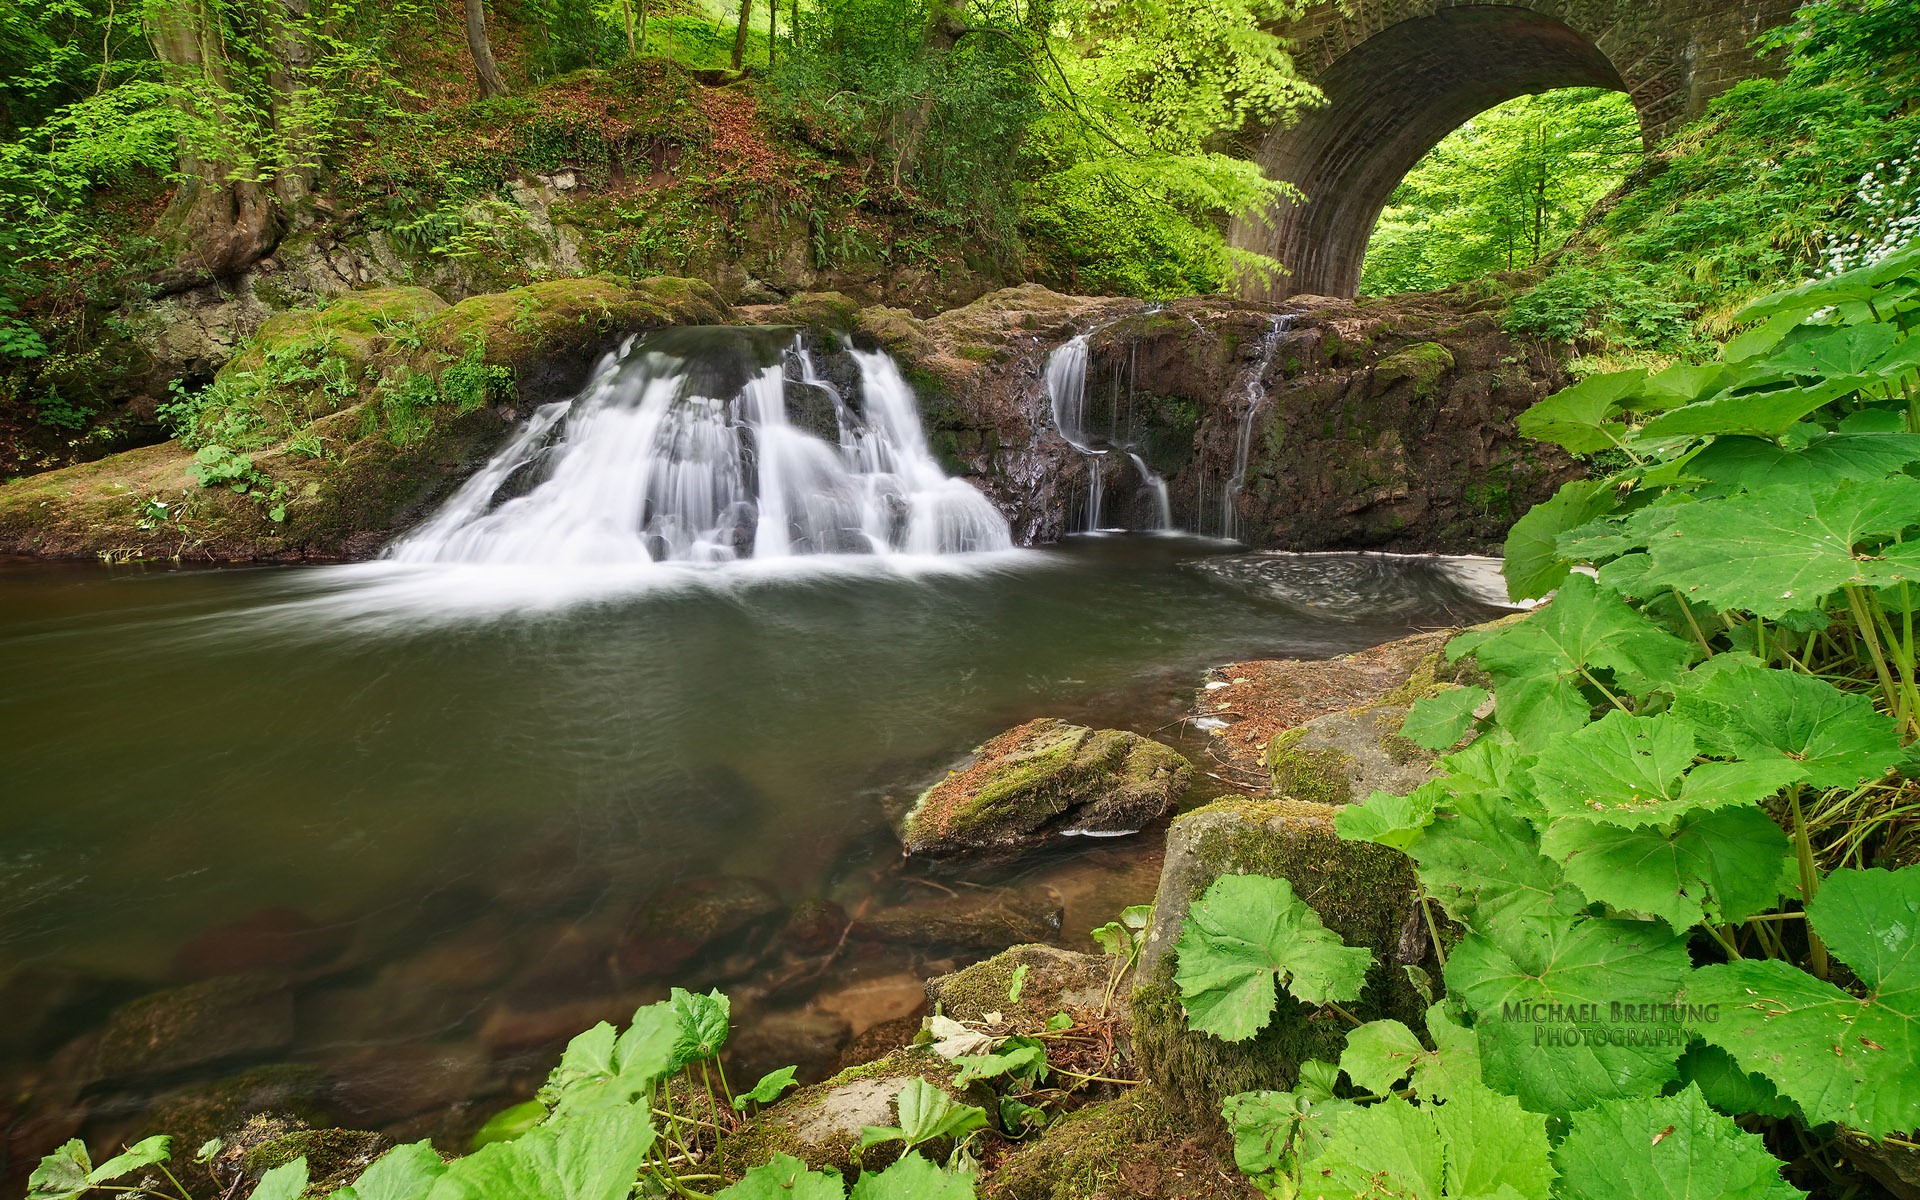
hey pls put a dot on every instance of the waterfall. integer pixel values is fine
(682, 448)
(1254, 388)
(1162, 505)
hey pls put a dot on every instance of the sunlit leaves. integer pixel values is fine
(591, 1155)
(913, 1178)
(1438, 721)
(925, 1112)
(61, 1175)
(1839, 1056)
(701, 1025)
(784, 1177)
(1247, 936)
(767, 1090)
(1479, 1143)
(1785, 549)
(1540, 664)
(1728, 864)
(285, 1182)
(1534, 564)
(402, 1173)
(1389, 820)
(1580, 417)
(1753, 463)
(1505, 970)
(1747, 711)
(1482, 862)
(1634, 771)
(1666, 1148)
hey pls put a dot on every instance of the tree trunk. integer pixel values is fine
(740, 34)
(773, 22)
(626, 12)
(223, 225)
(484, 70)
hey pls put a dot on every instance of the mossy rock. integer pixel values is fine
(335, 1157)
(291, 1094)
(1363, 892)
(526, 328)
(821, 1124)
(1344, 757)
(352, 326)
(1056, 981)
(1139, 1144)
(1043, 778)
(1423, 364)
(236, 1016)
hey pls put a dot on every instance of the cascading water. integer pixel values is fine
(1162, 504)
(1255, 390)
(668, 454)
(1066, 378)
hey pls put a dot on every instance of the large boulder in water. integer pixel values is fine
(1363, 892)
(1043, 779)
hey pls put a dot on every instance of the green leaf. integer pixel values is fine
(1634, 771)
(1482, 862)
(1537, 663)
(1533, 563)
(1017, 984)
(61, 1175)
(1840, 1057)
(1747, 711)
(1506, 973)
(509, 1123)
(1577, 417)
(1478, 1144)
(1754, 463)
(914, 1178)
(285, 1182)
(1023, 1058)
(702, 1022)
(140, 1154)
(1271, 1129)
(1018, 1118)
(1247, 935)
(1437, 722)
(767, 1090)
(1727, 1087)
(926, 1113)
(589, 1155)
(1727, 864)
(1785, 549)
(785, 1177)
(1380, 1054)
(1394, 821)
(402, 1173)
(1666, 1148)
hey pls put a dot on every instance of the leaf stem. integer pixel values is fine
(1857, 604)
(1687, 610)
(1809, 880)
(1357, 1022)
(1433, 929)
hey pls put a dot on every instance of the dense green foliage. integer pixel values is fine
(1779, 180)
(1682, 847)
(1503, 190)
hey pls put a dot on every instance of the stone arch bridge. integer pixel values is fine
(1399, 75)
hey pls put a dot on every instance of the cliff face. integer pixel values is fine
(1319, 424)
(1322, 425)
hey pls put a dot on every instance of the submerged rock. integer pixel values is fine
(680, 923)
(983, 922)
(193, 1026)
(1363, 892)
(1042, 779)
(811, 1041)
(273, 939)
(1344, 757)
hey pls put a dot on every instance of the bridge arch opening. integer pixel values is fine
(1391, 98)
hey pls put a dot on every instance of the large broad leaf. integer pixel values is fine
(703, 1024)
(914, 1178)
(1840, 1057)
(1728, 1088)
(1785, 549)
(1666, 1148)
(1271, 1130)
(1846, 352)
(1533, 563)
(1754, 463)
(785, 1177)
(1380, 1054)
(1768, 413)
(1727, 865)
(1247, 936)
(1482, 862)
(1394, 821)
(599, 1070)
(1545, 994)
(1751, 712)
(137, 1156)
(1578, 417)
(1478, 1144)
(1437, 722)
(926, 1113)
(1537, 663)
(285, 1182)
(402, 1173)
(591, 1155)
(1634, 771)
(61, 1175)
